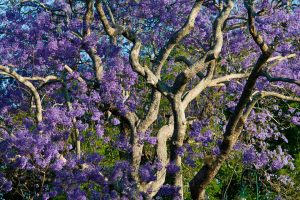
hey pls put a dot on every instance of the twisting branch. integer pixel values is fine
(111, 31)
(212, 55)
(177, 37)
(279, 79)
(218, 26)
(75, 134)
(227, 78)
(59, 80)
(92, 52)
(43, 79)
(252, 28)
(181, 81)
(35, 78)
(163, 136)
(233, 129)
(148, 75)
(88, 18)
(280, 96)
(236, 121)
(149, 119)
(71, 71)
(30, 86)
(184, 77)
(189, 64)
(193, 93)
(280, 58)
(110, 13)
(97, 63)
(152, 112)
(144, 71)
(241, 25)
(5, 129)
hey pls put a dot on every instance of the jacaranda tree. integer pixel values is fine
(145, 99)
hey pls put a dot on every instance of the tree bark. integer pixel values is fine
(180, 126)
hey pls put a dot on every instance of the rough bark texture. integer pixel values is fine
(236, 121)
(30, 86)
(180, 126)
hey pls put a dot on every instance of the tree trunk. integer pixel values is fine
(180, 127)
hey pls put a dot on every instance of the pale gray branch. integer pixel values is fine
(30, 86)
(177, 37)
(236, 121)
(278, 95)
(280, 58)
(227, 78)
(163, 136)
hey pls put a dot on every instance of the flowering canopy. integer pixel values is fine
(114, 99)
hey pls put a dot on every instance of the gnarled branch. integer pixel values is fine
(279, 79)
(177, 37)
(30, 86)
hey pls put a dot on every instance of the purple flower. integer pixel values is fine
(151, 140)
(277, 164)
(190, 162)
(249, 156)
(180, 151)
(296, 120)
(168, 190)
(21, 162)
(146, 173)
(172, 168)
(76, 194)
(96, 115)
(59, 163)
(46, 196)
(158, 165)
(99, 130)
(5, 185)
(115, 121)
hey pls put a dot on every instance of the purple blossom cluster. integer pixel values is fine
(275, 160)
(82, 147)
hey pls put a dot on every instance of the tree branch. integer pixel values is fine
(177, 37)
(236, 122)
(43, 79)
(216, 49)
(189, 64)
(71, 71)
(218, 26)
(163, 136)
(279, 79)
(227, 78)
(252, 28)
(92, 52)
(88, 18)
(31, 87)
(144, 71)
(111, 31)
(184, 77)
(75, 134)
(280, 58)
(280, 96)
